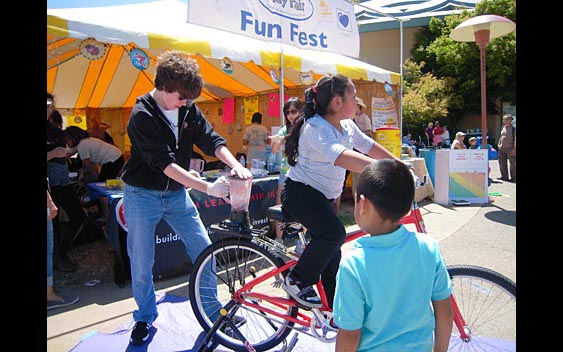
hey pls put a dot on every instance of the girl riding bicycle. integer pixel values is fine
(319, 149)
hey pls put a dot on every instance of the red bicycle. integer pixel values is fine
(246, 282)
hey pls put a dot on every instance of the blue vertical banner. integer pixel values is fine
(323, 25)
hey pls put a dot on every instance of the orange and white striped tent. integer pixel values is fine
(90, 50)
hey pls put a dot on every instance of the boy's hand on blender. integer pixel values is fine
(241, 172)
(219, 188)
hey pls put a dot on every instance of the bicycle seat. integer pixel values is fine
(276, 212)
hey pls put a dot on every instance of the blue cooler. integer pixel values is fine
(429, 157)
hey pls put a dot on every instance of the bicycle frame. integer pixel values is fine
(245, 292)
(284, 313)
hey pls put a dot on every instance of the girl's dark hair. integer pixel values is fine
(76, 134)
(388, 184)
(317, 101)
(256, 117)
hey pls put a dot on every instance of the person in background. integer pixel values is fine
(507, 150)
(99, 130)
(256, 137)
(446, 137)
(292, 108)
(472, 143)
(392, 288)
(408, 143)
(319, 149)
(429, 132)
(362, 119)
(164, 126)
(96, 154)
(54, 300)
(364, 123)
(62, 192)
(437, 132)
(458, 141)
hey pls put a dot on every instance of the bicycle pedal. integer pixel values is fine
(301, 306)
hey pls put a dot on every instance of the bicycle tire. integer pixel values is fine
(237, 261)
(487, 301)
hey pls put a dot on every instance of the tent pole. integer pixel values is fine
(282, 80)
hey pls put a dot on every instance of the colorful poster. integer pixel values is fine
(326, 25)
(383, 112)
(228, 110)
(274, 104)
(468, 175)
(250, 107)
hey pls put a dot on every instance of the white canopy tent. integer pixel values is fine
(111, 80)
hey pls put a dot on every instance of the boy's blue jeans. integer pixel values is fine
(143, 209)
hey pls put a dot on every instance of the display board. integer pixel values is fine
(462, 176)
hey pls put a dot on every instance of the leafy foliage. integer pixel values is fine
(458, 64)
(427, 98)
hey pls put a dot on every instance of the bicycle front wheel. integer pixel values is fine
(487, 302)
(220, 271)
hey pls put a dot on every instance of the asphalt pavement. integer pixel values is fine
(476, 234)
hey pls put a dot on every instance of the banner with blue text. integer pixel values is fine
(324, 25)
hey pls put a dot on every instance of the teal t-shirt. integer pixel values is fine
(384, 287)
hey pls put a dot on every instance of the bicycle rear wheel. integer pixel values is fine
(235, 262)
(487, 301)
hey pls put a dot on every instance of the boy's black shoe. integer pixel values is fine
(140, 333)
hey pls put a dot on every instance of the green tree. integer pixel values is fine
(426, 98)
(445, 57)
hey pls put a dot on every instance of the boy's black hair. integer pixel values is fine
(388, 184)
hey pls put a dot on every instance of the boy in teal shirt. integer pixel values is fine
(392, 288)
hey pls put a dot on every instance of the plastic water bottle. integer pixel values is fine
(242, 161)
(272, 163)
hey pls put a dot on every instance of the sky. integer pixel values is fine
(57, 4)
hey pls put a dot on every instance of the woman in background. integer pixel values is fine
(292, 108)
(94, 152)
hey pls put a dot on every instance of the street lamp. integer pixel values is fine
(479, 30)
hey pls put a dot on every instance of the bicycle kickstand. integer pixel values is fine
(207, 343)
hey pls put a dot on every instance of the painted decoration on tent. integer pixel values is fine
(139, 59)
(76, 120)
(250, 107)
(228, 110)
(227, 65)
(275, 76)
(383, 112)
(274, 104)
(92, 49)
(388, 89)
(306, 78)
(328, 25)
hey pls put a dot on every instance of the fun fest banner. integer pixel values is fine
(323, 25)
